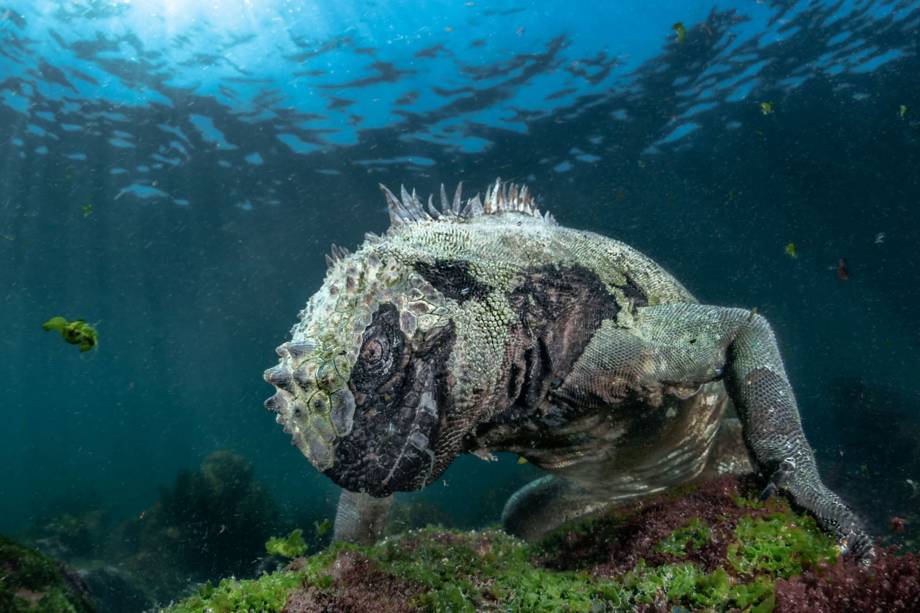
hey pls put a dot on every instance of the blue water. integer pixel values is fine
(223, 146)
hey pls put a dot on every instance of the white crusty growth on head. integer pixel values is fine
(499, 198)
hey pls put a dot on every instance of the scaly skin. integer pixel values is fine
(482, 327)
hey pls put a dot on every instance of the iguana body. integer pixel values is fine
(485, 326)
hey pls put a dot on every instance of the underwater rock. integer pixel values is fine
(32, 582)
(113, 590)
(710, 546)
(358, 584)
(70, 535)
(210, 523)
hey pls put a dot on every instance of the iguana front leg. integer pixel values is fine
(690, 340)
(360, 518)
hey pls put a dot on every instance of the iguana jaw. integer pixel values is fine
(395, 444)
(383, 457)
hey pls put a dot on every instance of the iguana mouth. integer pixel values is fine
(381, 456)
(397, 422)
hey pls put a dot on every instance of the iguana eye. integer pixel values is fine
(372, 351)
(377, 352)
(378, 358)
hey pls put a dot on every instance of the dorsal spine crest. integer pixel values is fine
(499, 198)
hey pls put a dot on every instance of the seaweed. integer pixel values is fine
(32, 582)
(290, 546)
(729, 554)
(781, 545)
(210, 523)
(892, 584)
(76, 332)
(694, 535)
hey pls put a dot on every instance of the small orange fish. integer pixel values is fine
(897, 524)
(842, 273)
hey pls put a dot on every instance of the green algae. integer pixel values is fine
(686, 585)
(76, 332)
(749, 502)
(290, 546)
(693, 536)
(465, 571)
(783, 544)
(489, 570)
(266, 594)
(32, 582)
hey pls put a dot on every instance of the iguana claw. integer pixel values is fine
(855, 542)
(858, 544)
(779, 477)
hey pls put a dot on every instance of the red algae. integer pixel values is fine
(892, 584)
(357, 586)
(616, 542)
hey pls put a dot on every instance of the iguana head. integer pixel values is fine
(380, 381)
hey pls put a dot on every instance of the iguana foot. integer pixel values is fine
(828, 509)
(858, 544)
(777, 479)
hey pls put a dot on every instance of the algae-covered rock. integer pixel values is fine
(711, 547)
(212, 522)
(31, 581)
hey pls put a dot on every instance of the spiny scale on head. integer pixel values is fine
(338, 253)
(408, 208)
(499, 198)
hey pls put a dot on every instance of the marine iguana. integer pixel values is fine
(484, 325)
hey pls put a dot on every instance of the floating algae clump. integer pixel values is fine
(290, 546)
(31, 581)
(696, 550)
(76, 332)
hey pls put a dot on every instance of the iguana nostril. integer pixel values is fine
(326, 376)
(319, 403)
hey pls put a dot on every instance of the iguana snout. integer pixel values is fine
(398, 392)
(362, 387)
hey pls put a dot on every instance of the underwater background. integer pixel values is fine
(173, 172)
